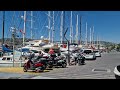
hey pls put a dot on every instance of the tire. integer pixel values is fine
(117, 77)
(37, 71)
(64, 65)
(25, 69)
(50, 66)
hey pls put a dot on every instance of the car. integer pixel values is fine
(97, 53)
(88, 54)
(117, 72)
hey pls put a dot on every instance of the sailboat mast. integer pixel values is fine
(86, 34)
(53, 29)
(72, 33)
(49, 24)
(61, 28)
(97, 42)
(90, 36)
(24, 31)
(93, 36)
(71, 28)
(31, 24)
(77, 30)
(3, 27)
(80, 30)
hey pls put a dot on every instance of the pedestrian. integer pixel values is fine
(30, 57)
(52, 53)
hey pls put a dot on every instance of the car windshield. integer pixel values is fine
(34, 51)
(87, 51)
(95, 51)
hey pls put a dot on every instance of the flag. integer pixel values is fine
(22, 32)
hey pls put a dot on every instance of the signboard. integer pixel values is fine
(17, 55)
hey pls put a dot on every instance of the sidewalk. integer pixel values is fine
(41, 77)
(10, 63)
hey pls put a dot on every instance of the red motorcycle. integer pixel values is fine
(33, 66)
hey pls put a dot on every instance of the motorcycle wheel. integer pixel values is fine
(64, 65)
(25, 69)
(37, 71)
(50, 66)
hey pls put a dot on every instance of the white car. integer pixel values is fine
(97, 53)
(89, 54)
(117, 72)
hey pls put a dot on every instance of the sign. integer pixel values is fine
(17, 55)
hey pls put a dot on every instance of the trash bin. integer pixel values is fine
(117, 72)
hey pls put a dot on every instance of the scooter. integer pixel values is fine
(58, 61)
(81, 59)
(34, 66)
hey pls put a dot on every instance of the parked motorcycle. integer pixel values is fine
(81, 59)
(36, 66)
(58, 61)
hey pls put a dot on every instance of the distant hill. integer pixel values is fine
(18, 41)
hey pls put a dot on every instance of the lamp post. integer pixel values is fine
(13, 29)
(68, 43)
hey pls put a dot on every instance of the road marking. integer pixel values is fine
(101, 70)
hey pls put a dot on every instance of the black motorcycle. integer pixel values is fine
(58, 61)
(81, 59)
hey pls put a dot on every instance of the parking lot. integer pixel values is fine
(101, 68)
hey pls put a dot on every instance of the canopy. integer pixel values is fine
(5, 49)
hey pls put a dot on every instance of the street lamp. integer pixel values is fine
(13, 30)
(68, 43)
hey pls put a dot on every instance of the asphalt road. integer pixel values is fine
(101, 68)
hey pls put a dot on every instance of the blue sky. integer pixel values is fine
(106, 23)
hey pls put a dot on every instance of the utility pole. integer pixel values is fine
(86, 34)
(31, 24)
(13, 37)
(3, 27)
(53, 29)
(24, 31)
(80, 30)
(61, 28)
(68, 47)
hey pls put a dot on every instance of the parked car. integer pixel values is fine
(89, 54)
(97, 53)
(117, 72)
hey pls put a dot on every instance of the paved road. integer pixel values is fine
(102, 68)
(104, 65)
